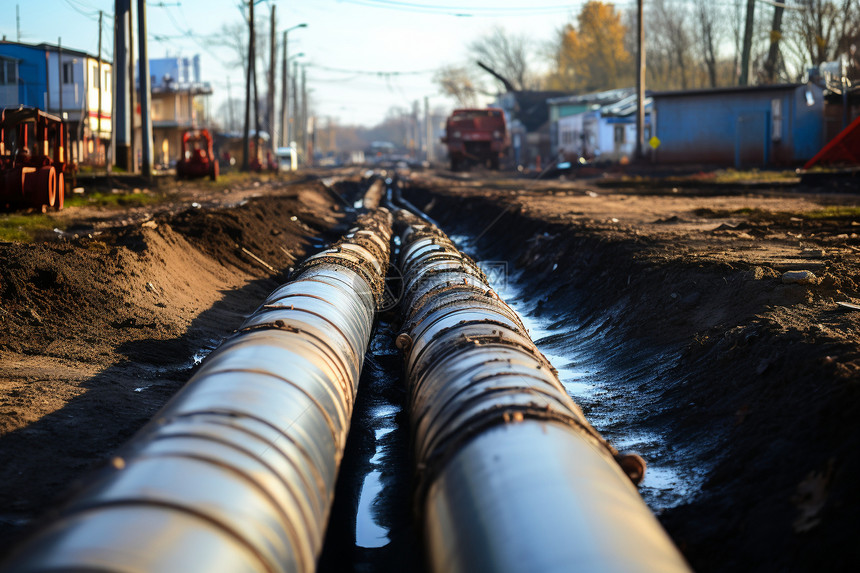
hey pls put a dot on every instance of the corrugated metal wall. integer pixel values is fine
(736, 128)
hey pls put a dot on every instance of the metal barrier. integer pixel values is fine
(237, 472)
(511, 475)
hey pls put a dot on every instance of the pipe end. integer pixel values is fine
(633, 465)
(403, 342)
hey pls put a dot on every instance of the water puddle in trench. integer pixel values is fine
(371, 527)
(602, 376)
(369, 533)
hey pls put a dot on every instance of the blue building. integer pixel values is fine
(599, 126)
(70, 83)
(740, 126)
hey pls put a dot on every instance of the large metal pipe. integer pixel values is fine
(511, 475)
(237, 472)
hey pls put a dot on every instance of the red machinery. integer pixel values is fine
(197, 159)
(476, 136)
(32, 159)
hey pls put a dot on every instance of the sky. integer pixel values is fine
(363, 56)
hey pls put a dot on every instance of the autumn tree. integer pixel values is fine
(592, 55)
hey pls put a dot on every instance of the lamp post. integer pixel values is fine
(285, 110)
(288, 131)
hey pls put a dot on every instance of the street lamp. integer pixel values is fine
(285, 137)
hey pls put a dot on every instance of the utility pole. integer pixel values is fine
(99, 73)
(305, 115)
(60, 73)
(775, 36)
(256, 117)
(285, 136)
(47, 80)
(132, 158)
(640, 81)
(270, 95)
(295, 118)
(230, 106)
(249, 68)
(120, 117)
(428, 131)
(415, 131)
(18, 21)
(145, 94)
(747, 48)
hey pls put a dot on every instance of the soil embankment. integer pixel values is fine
(101, 325)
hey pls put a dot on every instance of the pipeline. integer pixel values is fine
(374, 195)
(237, 472)
(511, 476)
(395, 200)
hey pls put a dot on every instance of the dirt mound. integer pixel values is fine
(99, 329)
(752, 382)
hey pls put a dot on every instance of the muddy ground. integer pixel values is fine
(749, 383)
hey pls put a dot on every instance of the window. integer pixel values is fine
(8, 72)
(620, 134)
(68, 73)
(107, 81)
(95, 75)
(776, 119)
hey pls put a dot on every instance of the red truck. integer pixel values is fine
(476, 137)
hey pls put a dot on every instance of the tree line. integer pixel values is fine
(688, 44)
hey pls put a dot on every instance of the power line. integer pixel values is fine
(465, 11)
(381, 73)
(83, 9)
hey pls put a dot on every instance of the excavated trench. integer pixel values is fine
(717, 411)
(587, 302)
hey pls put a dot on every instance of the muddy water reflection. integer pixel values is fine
(607, 378)
(369, 533)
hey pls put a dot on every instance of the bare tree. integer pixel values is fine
(820, 31)
(508, 54)
(677, 30)
(461, 84)
(709, 32)
(669, 45)
(234, 37)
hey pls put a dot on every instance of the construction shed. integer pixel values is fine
(754, 126)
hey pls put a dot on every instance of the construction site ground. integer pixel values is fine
(707, 319)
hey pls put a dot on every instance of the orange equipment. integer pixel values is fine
(197, 159)
(33, 159)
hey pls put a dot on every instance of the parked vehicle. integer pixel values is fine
(33, 162)
(476, 137)
(197, 158)
(287, 158)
